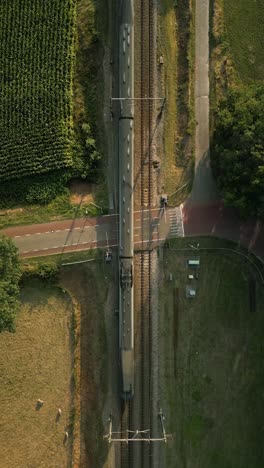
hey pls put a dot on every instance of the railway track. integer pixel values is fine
(145, 403)
(146, 77)
(137, 413)
(146, 201)
(126, 452)
(146, 116)
(146, 111)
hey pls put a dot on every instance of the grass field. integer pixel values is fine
(212, 362)
(37, 59)
(244, 21)
(37, 362)
(236, 52)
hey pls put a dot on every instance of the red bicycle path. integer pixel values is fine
(215, 219)
(67, 228)
(199, 219)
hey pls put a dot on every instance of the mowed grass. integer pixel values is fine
(212, 362)
(36, 362)
(244, 21)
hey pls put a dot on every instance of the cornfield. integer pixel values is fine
(37, 43)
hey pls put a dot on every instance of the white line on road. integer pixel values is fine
(152, 240)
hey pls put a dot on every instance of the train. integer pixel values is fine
(126, 197)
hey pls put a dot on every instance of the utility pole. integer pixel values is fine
(137, 435)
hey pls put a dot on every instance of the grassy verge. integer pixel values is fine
(52, 263)
(176, 45)
(60, 208)
(37, 362)
(212, 360)
(89, 286)
(89, 86)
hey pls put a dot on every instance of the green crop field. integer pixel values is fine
(37, 40)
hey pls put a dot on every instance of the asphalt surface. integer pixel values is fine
(214, 219)
(151, 227)
(204, 188)
(204, 212)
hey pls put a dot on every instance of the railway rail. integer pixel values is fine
(137, 413)
(140, 454)
(146, 115)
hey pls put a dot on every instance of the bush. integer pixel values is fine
(10, 274)
(39, 189)
(237, 150)
(44, 271)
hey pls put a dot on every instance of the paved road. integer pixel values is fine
(204, 212)
(89, 233)
(204, 188)
(214, 219)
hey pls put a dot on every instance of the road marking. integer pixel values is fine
(147, 219)
(181, 208)
(105, 216)
(148, 210)
(151, 240)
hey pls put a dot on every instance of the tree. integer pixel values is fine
(237, 150)
(10, 274)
